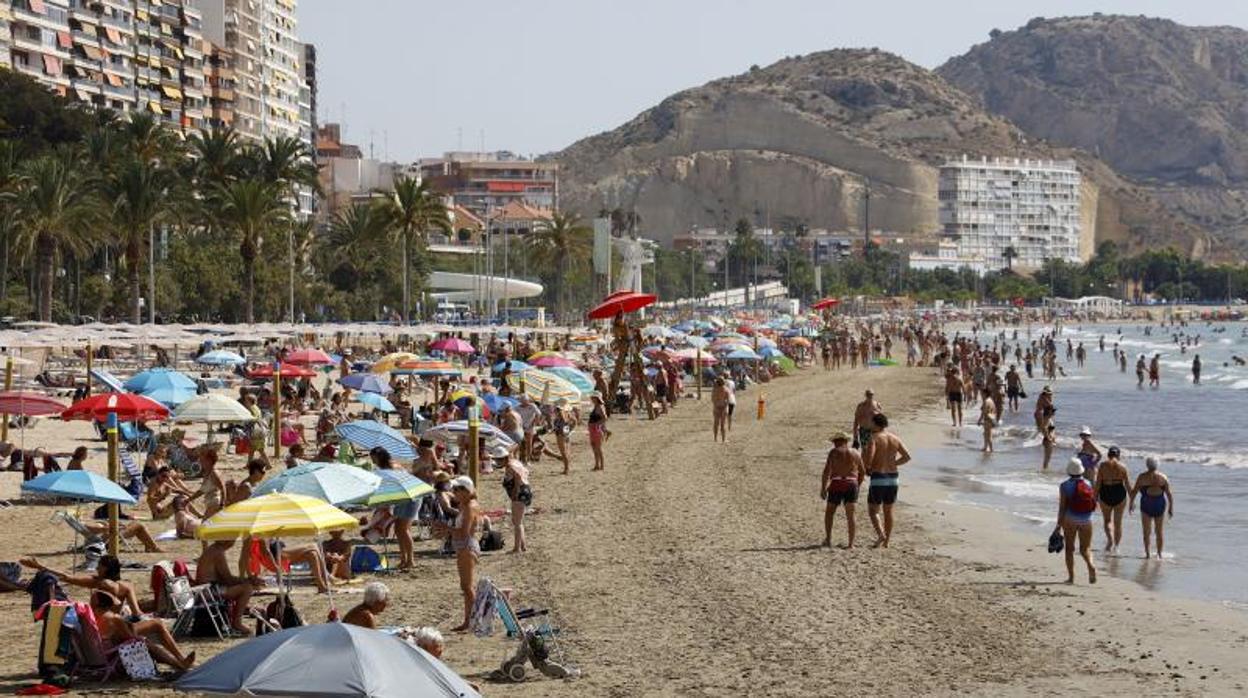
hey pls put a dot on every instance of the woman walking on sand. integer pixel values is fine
(1075, 505)
(1156, 501)
(719, 411)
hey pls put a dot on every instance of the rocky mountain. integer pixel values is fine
(799, 140)
(1164, 104)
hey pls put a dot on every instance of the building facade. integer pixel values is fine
(485, 183)
(6, 35)
(1030, 206)
(947, 257)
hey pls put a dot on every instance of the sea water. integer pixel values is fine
(1199, 433)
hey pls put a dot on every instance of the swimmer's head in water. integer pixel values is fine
(1150, 463)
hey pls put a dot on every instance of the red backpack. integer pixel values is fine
(1083, 499)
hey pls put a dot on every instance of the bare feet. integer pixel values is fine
(827, 543)
(879, 543)
(1092, 576)
(460, 628)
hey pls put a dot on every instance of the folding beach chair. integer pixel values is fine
(193, 602)
(136, 439)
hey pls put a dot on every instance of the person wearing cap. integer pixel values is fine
(863, 414)
(1156, 501)
(1089, 454)
(463, 536)
(519, 493)
(598, 431)
(1076, 502)
(1111, 485)
(883, 455)
(843, 473)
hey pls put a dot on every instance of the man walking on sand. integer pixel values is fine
(863, 413)
(842, 478)
(883, 455)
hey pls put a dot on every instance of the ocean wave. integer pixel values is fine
(1024, 489)
(1239, 385)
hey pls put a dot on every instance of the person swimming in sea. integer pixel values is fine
(1156, 503)
(1111, 484)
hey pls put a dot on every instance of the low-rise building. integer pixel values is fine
(947, 257)
(485, 182)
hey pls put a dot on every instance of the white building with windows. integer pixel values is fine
(947, 257)
(1032, 206)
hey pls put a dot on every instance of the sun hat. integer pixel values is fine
(500, 451)
(1047, 389)
(463, 482)
(1085, 431)
(839, 436)
(1074, 467)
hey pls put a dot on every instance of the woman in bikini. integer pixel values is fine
(1156, 502)
(561, 424)
(1111, 485)
(463, 535)
(597, 429)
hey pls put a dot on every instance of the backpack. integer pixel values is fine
(290, 616)
(1083, 499)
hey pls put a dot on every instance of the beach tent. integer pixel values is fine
(327, 659)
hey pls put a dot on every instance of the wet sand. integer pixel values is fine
(693, 568)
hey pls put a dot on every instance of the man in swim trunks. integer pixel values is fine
(883, 455)
(1111, 486)
(863, 414)
(953, 390)
(843, 474)
(1013, 387)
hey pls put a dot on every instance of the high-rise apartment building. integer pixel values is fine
(219, 74)
(1029, 206)
(6, 18)
(268, 59)
(120, 54)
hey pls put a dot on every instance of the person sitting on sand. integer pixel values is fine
(1156, 498)
(164, 486)
(127, 529)
(364, 614)
(338, 555)
(107, 578)
(309, 555)
(1075, 504)
(213, 568)
(843, 474)
(186, 520)
(115, 630)
(883, 455)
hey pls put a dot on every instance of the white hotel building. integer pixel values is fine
(1033, 206)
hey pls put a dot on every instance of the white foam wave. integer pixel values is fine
(1027, 489)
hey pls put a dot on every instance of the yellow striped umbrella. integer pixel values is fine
(275, 515)
(391, 361)
(544, 386)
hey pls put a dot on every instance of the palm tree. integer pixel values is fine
(148, 139)
(1009, 254)
(248, 209)
(10, 181)
(216, 156)
(411, 211)
(562, 245)
(352, 248)
(137, 198)
(54, 208)
(286, 162)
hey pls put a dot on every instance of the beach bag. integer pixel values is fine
(1083, 500)
(162, 573)
(365, 559)
(290, 617)
(492, 540)
(137, 660)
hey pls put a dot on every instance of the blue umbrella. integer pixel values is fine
(367, 434)
(330, 482)
(743, 353)
(220, 357)
(375, 401)
(398, 486)
(368, 383)
(515, 365)
(154, 378)
(769, 352)
(78, 484)
(496, 403)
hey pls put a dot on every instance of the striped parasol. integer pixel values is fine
(392, 361)
(578, 378)
(334, 483)
(211, 408)
(544, 386)
(368, 434)
(426, 367)
(28, 404)
(450, 431)
(275, 515)
(398, 486)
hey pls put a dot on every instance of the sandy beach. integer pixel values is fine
(692, 568)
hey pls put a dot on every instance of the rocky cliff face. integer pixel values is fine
(1164, 104)
(801, 139)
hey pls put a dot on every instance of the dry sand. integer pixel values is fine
(692, 568)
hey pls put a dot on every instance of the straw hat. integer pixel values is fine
(1047, 389)
(1074, 468)
(839, 436)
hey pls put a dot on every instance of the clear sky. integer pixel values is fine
(418, 77)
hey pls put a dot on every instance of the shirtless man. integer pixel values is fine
(213, 568)
(883, 455)
(863, 414)
(1013, 387)
(843, 474)
(376, 595)
(953, 391)
(1044, 410)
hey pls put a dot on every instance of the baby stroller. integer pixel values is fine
(537, 642)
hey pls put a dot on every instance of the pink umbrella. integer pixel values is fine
(552, 361)
(305, 357)
(29, 404)
(452, 345)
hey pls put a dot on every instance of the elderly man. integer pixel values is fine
(365, 614)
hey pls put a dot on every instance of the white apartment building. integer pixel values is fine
(947, 257)
(1032, 206)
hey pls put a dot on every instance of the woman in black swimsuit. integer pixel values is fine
(1111, 486)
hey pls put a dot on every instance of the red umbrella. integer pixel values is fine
(128, 407)
(28, 404)
(621, 302)
(308, 356)
(825, 303)
(452, 345)
(288, 371)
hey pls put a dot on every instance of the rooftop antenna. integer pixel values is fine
(370, 144)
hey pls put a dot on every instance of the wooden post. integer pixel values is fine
(697, 369)
(474, 447)
(8, 385)
(112, 475)
(277, 410)
(89, 369)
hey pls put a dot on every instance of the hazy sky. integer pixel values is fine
(418, 77)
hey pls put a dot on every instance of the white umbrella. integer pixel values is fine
(212, 409)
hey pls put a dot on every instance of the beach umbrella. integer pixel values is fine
(367, 382)
(391, 361)
(397, 486)
(731, 335)
(82, 485)
(451, 431)
(825, 303)
(544, 352)
(743, 353)
(287, 372)
(334, 483)
(697, 341)
(326, 659)
(375, 401)
(515, 365)
(26, 404)
(157, 379)
(576, 377)
(426, 367)
(769, 352)
(552, 361)
(497, 403)
(211, 408)
(107, 379)
(368, 434)
(544, 386)
(657, 331)
(307, 357)
(786, 364)
(220, 357)
(621, 302)
(274, 515)
(452, 345)
(127, 406)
